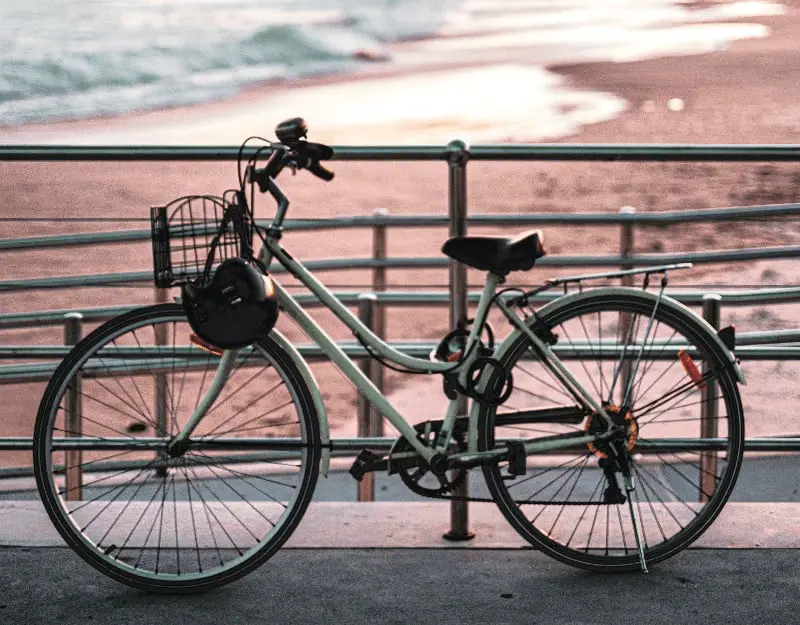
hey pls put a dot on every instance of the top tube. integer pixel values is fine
(365, 334)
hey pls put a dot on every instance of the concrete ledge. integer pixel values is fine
(421, 525)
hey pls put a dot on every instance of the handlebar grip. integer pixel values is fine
(320, 171)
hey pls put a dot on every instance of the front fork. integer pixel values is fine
(178, 445)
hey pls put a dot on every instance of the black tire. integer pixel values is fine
(559, 505)
(182, 524)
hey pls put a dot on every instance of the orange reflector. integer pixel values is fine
(691, 369)
(196, 340)
(269, 288)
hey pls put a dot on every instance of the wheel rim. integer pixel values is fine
(558, 505)
(211, 513)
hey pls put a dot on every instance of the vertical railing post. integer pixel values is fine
(626, 243)
(73, 459)
(160, 390)
(457, 210)
(367, 415)
(709, 426)
(379, 284)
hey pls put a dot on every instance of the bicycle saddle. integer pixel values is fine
(500, 255)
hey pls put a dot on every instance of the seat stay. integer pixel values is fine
(556, 366)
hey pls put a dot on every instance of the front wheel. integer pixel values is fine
(674, 392)
(163, 521)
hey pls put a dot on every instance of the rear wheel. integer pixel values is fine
(684, 430)
(204, 517)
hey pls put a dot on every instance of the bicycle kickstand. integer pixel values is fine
(630, 489)
(623, 459)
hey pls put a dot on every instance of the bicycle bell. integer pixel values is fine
(237, 307)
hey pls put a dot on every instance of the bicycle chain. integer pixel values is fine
(445, 488)
(526, 501)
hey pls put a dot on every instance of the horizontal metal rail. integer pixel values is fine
(171, 357)
(425, 221)
(146, 277)
(519, 152)
(148, 360)
(654, 445)
(348, 447)
(694, 297)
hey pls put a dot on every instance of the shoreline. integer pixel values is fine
(362, 113)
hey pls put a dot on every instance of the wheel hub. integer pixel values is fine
(597, 425)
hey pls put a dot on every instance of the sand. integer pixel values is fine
(744, 94)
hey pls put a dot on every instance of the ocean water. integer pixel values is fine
(68, 59)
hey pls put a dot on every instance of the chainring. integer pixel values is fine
(416, 474)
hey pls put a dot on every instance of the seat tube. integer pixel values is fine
(481, 314)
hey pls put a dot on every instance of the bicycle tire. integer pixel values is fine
(182, 524)
(560, 504)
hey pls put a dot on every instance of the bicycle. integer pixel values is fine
(608, 423)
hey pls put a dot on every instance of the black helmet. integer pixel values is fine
(237, 307)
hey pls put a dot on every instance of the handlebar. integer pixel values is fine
(320, 171)
(297, 154)
(293, 151)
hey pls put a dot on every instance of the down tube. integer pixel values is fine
(346, 366)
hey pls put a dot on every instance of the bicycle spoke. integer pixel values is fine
(204, 457)
(242, 428)
(519, 482)
(135, 417)
(583, 513)
(576, 479)
(558, 389)
(229, 394)
(583, 363)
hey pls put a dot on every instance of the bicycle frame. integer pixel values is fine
(272, 250)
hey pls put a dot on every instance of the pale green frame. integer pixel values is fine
(272, 250)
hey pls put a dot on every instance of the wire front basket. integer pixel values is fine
(193, 234)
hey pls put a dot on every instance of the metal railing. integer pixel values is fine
(627, 220)
(372, 306)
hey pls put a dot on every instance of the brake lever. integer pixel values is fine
(320, 171)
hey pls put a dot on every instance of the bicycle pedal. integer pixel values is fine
(517, 464)
(366, 462)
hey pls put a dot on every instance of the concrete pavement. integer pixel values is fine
(419, 586)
